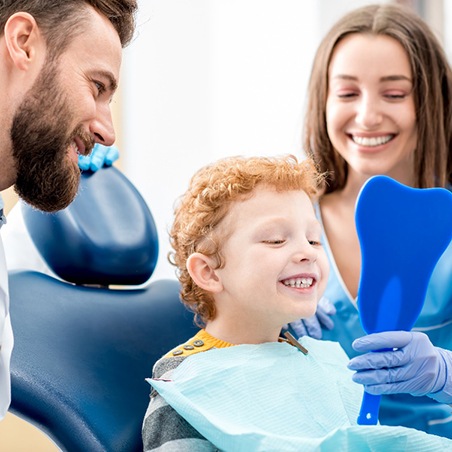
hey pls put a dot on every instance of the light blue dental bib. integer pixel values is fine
(271, 397)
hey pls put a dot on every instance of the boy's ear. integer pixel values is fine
(202, 270)
(22, 38)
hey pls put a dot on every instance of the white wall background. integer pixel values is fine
(205, 79)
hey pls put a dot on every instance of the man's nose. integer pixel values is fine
(102, 126)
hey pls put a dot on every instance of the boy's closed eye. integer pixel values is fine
(274, 241)
(315, 242)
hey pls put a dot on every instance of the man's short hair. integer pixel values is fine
(61, 20)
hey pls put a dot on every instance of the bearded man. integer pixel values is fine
(60, 64)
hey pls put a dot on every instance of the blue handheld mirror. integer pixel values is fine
(403, 232)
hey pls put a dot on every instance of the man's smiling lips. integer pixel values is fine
(81, 148)
(77, 147)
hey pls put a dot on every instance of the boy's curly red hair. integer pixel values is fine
(206, 203)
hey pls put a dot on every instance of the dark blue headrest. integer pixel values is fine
(107, 236)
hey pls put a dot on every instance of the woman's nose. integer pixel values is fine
(368, 114)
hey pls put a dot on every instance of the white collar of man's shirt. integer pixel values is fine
(2, 216)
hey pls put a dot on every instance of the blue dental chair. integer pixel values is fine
(84, 344)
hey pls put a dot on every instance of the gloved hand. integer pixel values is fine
(100, 156)
(312, 326)
(412, 365)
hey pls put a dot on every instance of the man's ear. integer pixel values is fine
(23, 38)
(202, 270)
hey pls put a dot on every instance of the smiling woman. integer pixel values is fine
(370, 111)
(379, 102)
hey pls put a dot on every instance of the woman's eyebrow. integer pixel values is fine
(391, 78)
(386, 78)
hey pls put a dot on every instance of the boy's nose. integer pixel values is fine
(306, 252)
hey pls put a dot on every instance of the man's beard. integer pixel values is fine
(47, 178)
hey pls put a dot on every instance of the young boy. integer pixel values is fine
(247, 248)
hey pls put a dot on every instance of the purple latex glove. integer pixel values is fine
(312, 326)
(100, 156)
(413, 365)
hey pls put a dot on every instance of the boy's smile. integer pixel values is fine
(300, 281)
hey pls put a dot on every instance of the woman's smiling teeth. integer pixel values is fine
(371, 141)
(302, 283)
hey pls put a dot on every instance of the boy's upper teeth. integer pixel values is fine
(298, 282)
(371, 141)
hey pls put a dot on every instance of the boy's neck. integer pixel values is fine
(236, 334)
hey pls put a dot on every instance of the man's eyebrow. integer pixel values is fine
(112, 82)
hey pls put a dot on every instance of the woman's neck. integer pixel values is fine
(355, 181)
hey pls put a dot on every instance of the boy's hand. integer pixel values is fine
(100, 156)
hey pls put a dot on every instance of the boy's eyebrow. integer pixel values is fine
(270, 223)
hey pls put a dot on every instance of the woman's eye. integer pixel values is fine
(346, 95)
(396, 92)
(395, 96)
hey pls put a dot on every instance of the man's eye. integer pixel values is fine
(100, 86)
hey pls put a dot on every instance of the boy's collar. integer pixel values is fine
(204, 341)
